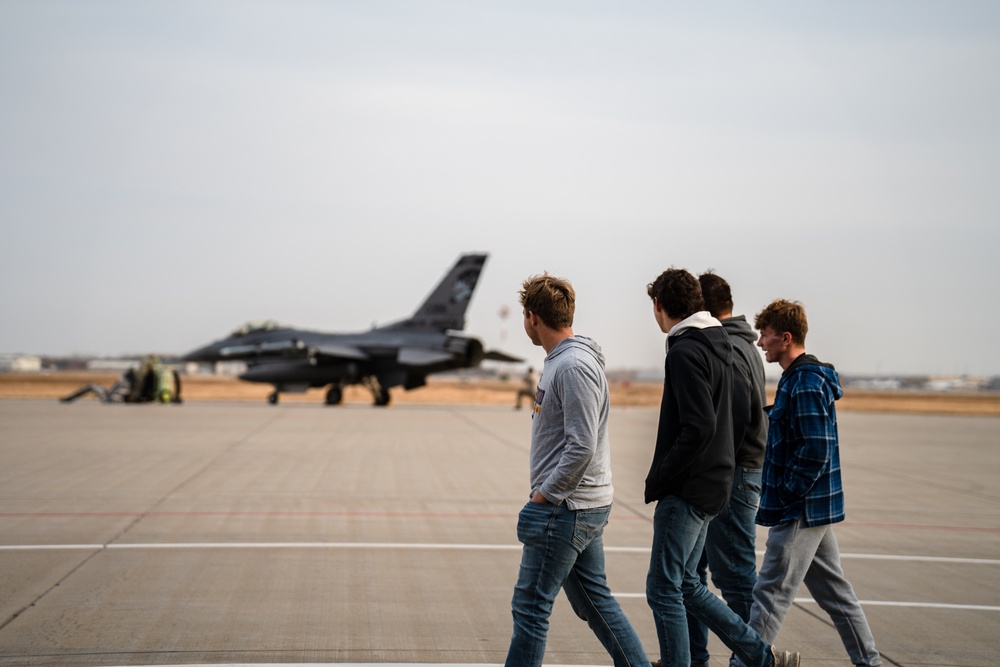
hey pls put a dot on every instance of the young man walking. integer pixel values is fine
(691, 475)
(562, 525)
(731, 538)
(802, 496)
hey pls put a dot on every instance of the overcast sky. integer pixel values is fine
(169, 170)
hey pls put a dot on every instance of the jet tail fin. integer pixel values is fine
(444, 309)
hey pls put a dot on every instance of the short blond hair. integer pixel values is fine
(551, 299)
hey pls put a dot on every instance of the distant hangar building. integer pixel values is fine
(20, 363)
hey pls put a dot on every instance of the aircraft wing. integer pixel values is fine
(340, 351)
(496, 355)
(260, 349)
(291, 347)
(422, 356)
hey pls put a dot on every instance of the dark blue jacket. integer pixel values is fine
(802, 460)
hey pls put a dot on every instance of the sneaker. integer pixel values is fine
(786, 658)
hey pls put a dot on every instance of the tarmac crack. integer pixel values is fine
(14, 616)
(190, 478)
(635, 511)
(825, 620)
(487, 432)
(138, 519)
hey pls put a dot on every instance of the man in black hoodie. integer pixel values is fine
(691, 475)
(731, 538)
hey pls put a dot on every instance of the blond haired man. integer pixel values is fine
(562, 524)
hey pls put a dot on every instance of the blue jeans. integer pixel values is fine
(564, 548)
(673, 589)
(729, 553)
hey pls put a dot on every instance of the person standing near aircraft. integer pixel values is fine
(731, 538)
(562, 525)
(803, 496)
(527, 390)
(691, 475)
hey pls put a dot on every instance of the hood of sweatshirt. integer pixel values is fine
(738, 326)
(580, 343)
(700, 320)
(807, 363)
(705, 328)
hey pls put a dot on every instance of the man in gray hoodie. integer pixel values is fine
(731, 539)
(562, 524)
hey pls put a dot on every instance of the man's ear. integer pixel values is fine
(786, 339)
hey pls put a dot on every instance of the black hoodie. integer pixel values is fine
(694, 456)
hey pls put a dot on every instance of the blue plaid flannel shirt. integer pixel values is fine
(802, 460)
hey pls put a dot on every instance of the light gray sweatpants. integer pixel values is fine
(798, 554)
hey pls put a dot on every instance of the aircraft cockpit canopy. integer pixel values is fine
(254, 327)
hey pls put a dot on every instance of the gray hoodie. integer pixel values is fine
(570, 450)
(746, 359)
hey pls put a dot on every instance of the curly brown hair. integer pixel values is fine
(678, 293)
(782, 315)
(551, 299)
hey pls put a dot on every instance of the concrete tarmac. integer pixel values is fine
(226, 533)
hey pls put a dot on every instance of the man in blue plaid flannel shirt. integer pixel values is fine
(802, 496)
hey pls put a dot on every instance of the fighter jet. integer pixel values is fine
(399, 354)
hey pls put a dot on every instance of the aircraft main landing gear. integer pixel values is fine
(272, 398)
(334, 396)
(379, 393)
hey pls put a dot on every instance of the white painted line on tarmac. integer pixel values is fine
(317, 545)
(427, 546)
(501, 547)
(928, 605)
(893, 557)
(55, 547)
(867, 603)
(260, 545)
(925, 559)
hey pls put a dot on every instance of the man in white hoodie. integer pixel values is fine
(730, 542)
(562, 524)
(691, 476)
